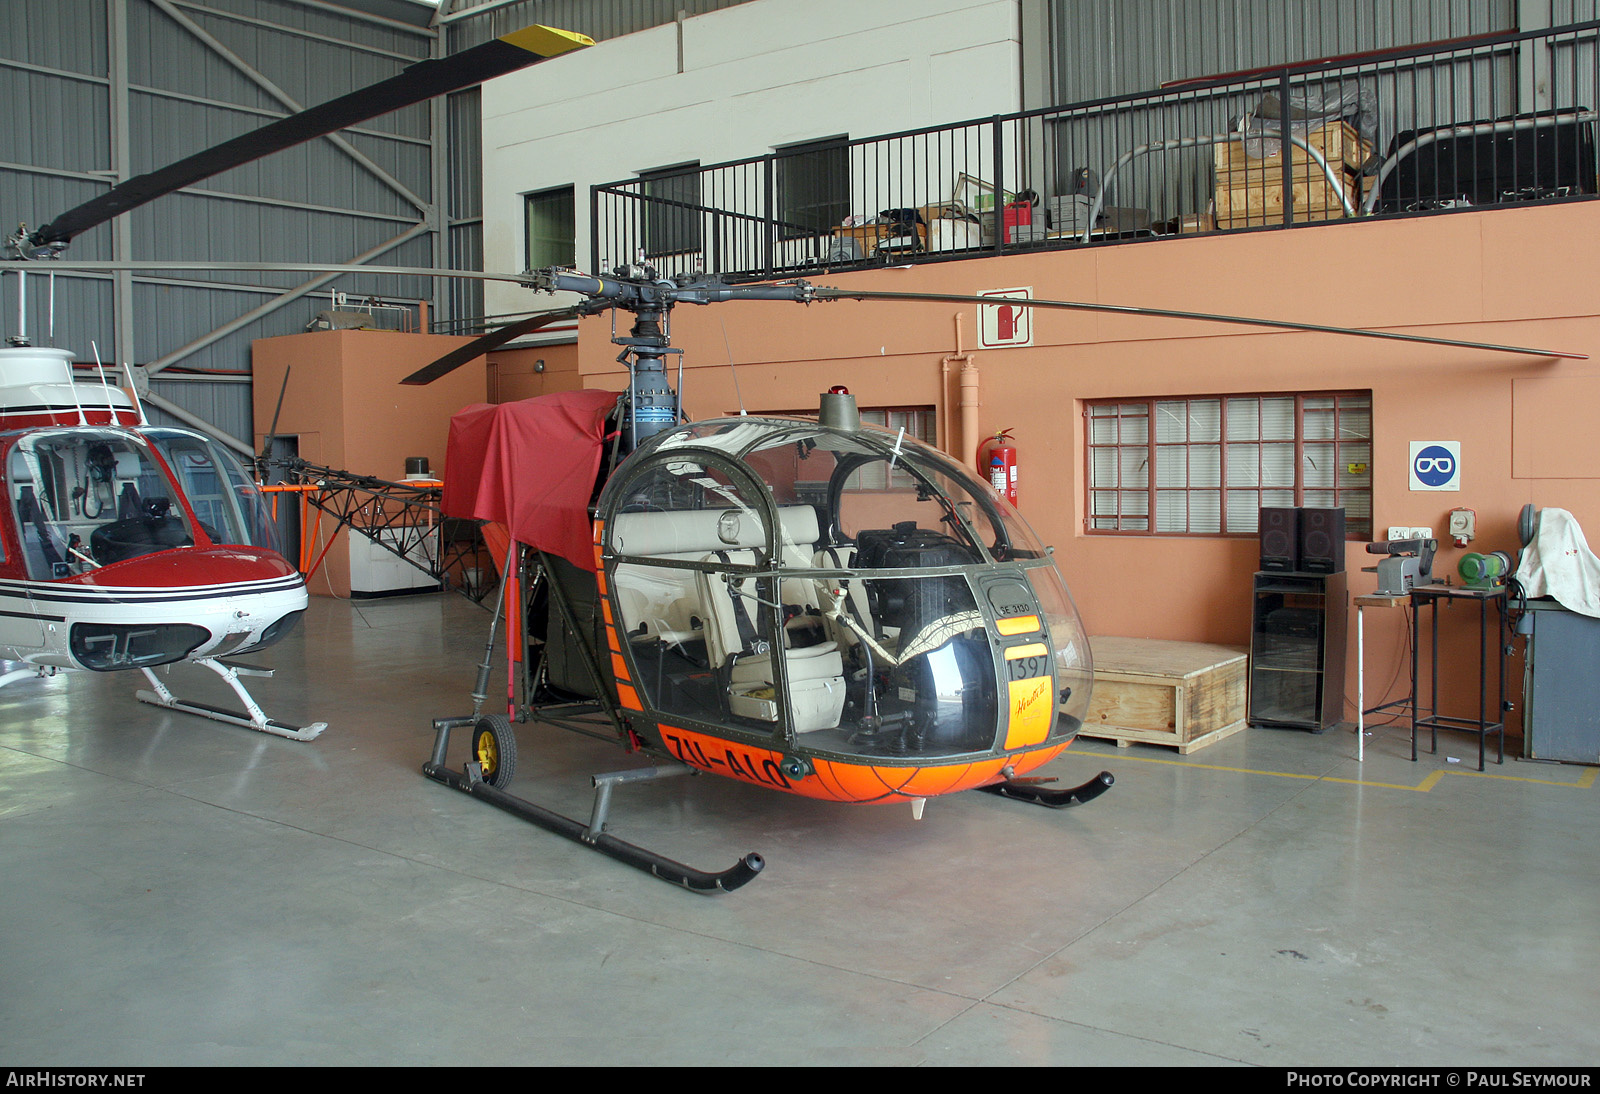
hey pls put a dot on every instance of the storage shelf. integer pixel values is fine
(1297, 650)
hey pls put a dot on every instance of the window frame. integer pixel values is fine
(1358, 524)
(819, 200)
(662, 235)
(566, 247)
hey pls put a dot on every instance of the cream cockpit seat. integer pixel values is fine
(735, 645)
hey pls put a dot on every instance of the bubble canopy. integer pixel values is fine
(848, 592)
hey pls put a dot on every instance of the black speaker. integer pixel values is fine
(1322, 541)
(1280, 539)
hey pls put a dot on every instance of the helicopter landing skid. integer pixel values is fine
(254, 718)
(1055, 799)
(592, 835)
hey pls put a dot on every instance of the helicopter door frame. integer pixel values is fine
(748, 494)
(537, 568)
(1024, 655)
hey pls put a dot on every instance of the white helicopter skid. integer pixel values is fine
(232, 617)
(254, 718)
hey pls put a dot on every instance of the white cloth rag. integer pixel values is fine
(1559, 564)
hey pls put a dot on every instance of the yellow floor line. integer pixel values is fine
(1584, 782)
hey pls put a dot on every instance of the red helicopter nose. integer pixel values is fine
(184, 602)
(192, 567)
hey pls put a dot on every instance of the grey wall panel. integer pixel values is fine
(1117, 47)
(371, 23)
(311, 204)
(34, 199)
(66, 121)
(81, 315)
(63, 34)
(312, 69)
(465, 244)
(162, 54)
(225, 405)
(465, 151)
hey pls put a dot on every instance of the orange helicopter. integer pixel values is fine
(821, 608)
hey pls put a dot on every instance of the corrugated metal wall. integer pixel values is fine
(1116, 47)
(474, 21)
(187, 74)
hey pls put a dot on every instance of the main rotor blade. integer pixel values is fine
(423, 80)
(162, 265)
(453, 360)
(824, 293)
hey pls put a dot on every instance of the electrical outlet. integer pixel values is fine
(1399, 531)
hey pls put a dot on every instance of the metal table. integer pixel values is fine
(1373, 600)
(1430, 596)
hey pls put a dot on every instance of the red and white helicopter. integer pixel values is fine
(127, 546)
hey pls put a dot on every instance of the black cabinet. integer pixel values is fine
(1297, 641)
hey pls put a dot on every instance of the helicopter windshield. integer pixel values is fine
(854, 591)
(224, 498)
(86, 498)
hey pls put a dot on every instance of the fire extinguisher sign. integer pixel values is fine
(1002, 324)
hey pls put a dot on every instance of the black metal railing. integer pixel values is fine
(1482, 121)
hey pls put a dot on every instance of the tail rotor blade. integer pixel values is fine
(493, 340)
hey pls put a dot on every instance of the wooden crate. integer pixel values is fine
(1182, 694)
(1249, 189)
(1261, 202)
(1338, 142)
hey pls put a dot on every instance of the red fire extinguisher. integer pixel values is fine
(998, 457)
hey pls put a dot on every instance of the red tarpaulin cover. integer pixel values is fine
(530, 465)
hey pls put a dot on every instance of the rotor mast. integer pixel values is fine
(653, 404)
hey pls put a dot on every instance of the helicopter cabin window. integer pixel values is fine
(919, 423)
(230, 508)
(1208, 465)
(714, 547)
(86, 498)
(672, 210)
(551, 234)
(813, 187)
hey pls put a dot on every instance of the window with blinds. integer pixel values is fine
(1207, 465)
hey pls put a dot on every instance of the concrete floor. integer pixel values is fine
(178, 892)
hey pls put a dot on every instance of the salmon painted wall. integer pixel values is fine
(526, 373)
(345, 402)
(1521, 277)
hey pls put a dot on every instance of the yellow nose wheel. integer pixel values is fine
(494, 750)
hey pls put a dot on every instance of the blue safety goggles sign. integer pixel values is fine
(1436, 465)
